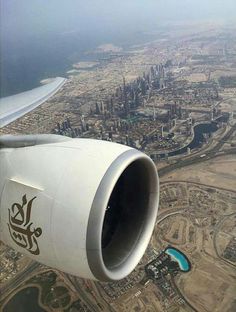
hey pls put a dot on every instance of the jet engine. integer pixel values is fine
(82, 206)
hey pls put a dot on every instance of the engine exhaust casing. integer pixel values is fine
(85, 207)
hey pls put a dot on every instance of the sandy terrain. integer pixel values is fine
(219, 172)
(211, 292)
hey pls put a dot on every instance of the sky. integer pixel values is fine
(27, 18)
(42, 38)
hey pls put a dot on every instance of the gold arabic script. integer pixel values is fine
(20, 227)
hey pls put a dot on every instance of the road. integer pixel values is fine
(20, 278)
(182, 296)
(196, 183)
(93, 307)
(213, 152)
(159, 220)
(216, 231)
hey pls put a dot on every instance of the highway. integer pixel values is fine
(74, 281)
(213, 152)
(19, 278)
(216, 231)
(182, 296)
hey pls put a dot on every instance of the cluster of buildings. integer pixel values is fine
(133, 116)
(155, 113)
(9, 259)
(162, 266)
(65, 128)
(161, 271)
(130, 96)
(116, 289)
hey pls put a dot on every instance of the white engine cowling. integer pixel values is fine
(85, 207)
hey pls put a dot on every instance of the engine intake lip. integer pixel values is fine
(121, 253)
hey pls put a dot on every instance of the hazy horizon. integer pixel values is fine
(26, 18)
(41, 38)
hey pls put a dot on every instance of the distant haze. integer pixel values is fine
(36, 36)
(27, 18)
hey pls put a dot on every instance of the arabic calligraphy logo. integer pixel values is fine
(20, 226)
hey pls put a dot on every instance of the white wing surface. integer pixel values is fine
(15, 106)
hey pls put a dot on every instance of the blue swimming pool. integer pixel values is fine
(178, 256)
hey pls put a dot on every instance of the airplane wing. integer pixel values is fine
(15, 106)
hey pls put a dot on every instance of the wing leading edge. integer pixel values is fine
(16, 106)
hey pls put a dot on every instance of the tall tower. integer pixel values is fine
(162, 131)
(212, 114)
(231, 118)
(83, 123)
(102, 108)
(97, 109)
(126, 106)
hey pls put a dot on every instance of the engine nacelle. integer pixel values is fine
(85, 207)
